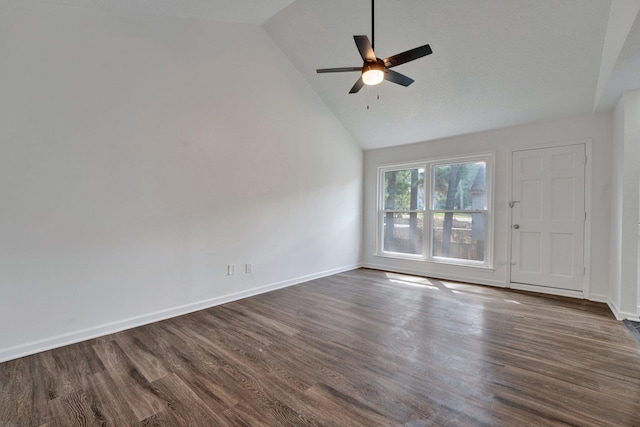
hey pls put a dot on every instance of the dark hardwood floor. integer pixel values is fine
(362, 348)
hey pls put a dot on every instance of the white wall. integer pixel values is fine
(139, 157)
(625, 287)
(596, 128)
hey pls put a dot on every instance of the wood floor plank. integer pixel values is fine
(110, 405)
(75, 409)
(185, 405)
(360, 348)
(360, 414)
(131, 385)
(141, 355)
(15, 395)
(161, 419)
(266, 397)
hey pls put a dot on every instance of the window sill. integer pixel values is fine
(401, 256)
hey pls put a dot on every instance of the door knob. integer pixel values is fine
(516, 226)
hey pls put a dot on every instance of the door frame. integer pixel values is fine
(586, 281)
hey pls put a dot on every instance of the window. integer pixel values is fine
(458, 210)
(440, 216)
(403, 218)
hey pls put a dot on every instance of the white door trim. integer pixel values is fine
(586, 289)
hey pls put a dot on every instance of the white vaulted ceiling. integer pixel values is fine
(241, 11)
(495, 63)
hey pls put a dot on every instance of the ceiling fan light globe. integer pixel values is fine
(372, 77)
(372, 74)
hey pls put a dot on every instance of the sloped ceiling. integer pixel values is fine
(625, 66)
(496, 63)
(240, 11)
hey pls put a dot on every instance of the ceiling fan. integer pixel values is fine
(374, 69)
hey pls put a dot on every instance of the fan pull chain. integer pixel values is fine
(377, 98)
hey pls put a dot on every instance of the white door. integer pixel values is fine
(548, 217)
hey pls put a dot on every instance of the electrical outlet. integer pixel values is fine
(248, 268)
(231, 269)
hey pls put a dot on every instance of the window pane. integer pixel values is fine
(460, 186)
(404, 189)
(459, 235)
(402, 232)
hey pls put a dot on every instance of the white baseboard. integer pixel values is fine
(548, 291)
(599, 298)
(621, 315)
(61, 340)
(454, 278)
(605, 299)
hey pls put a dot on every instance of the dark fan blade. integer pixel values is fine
(338, 70)
(364, 46)
(356, 87)
(407, 56)
(397, 78)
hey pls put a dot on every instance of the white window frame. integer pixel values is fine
(427, 250)
(382, 211)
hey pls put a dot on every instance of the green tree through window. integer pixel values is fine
(458, 210)
(403, 201)
(452, 192)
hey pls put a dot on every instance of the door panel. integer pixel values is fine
(548, 217)
(530, 252)
(531, 199)
(561, 254)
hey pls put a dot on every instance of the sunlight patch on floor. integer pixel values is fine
(403, 279)
(418, 285)
(465, 287)
(407, 278)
